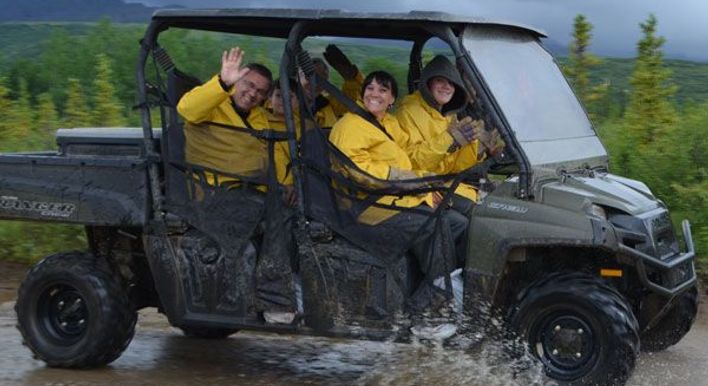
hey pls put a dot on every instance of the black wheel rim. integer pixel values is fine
(566, 343)
(62, 314)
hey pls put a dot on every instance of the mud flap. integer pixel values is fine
(198, 280)
(343, 285)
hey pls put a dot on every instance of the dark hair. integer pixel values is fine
(383, 78)
(291, 81)
(261, 70)
(319, 61)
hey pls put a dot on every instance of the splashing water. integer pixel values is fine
(471, 357)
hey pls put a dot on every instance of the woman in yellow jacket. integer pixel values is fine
(436, 140)
(378, 154)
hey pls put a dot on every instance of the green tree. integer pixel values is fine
(76, 113)
(6, 108)
(650, 111)
(690, 196)
(580, 62)
(19, 120)
(107, 109)
(651, 119)
(61, 59)
(120, 44)
(46, 122)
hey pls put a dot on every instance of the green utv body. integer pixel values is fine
(584, 265)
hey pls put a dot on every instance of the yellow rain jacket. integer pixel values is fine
(328, 115)
(375, 153)
(428, 141)
(277, 123)
(222, 148)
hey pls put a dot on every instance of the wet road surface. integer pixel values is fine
(160, 355)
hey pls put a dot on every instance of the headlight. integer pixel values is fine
(597, 211)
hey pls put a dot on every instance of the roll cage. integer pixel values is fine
(295, 25)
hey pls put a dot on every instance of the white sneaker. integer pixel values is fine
(279, 317)
(439, 332)
(457, 288)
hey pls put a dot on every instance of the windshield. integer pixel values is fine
(535, 98)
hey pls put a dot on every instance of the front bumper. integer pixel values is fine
(669, 276)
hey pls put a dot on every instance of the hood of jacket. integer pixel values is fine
(441, 66)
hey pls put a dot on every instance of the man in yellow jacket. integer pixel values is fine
(221, 117)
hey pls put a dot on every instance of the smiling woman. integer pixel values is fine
(379, 93)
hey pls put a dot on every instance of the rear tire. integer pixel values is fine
(72, 312)
(207, 332)
(579, 328)
(674, 325)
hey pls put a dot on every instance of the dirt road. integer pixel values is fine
(160, 355)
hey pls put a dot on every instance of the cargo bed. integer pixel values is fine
(98, 176)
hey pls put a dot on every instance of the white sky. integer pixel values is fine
(684, 23)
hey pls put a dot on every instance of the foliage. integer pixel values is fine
(76, 112)
(107, 111)
(29, 242)
(650, 113)
(46, 122)
(660, 145)
(5, 105)
(580, 63)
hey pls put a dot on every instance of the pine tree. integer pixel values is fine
(62, 58)
(76, 113)
(650, 110)
(6, 108)
(46, 122)
(651, 118)
(19, 120)
(107, 109)
(580, 63)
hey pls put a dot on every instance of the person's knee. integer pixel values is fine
(458, 223)
(462, 205)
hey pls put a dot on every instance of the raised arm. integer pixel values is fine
(198, 104)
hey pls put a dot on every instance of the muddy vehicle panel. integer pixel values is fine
(98, 177)
(582, 264)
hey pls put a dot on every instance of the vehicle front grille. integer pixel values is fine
(651, 233)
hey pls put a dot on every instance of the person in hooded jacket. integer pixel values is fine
(437, 140)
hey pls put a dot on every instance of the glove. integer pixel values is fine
(400, 178)
(462, 133)
(336, 58)
(396, 174)
(490, 141)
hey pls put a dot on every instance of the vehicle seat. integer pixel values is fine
(178, 83)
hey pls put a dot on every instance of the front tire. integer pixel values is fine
(580, 329)
(72, 313)
(674, 325)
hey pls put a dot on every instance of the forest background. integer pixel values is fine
(651, 113)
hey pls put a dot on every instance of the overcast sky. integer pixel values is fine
(684, 23)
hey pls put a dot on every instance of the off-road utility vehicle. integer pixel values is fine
(584, 264)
